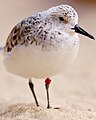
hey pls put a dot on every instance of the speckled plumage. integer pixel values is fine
(41, 28)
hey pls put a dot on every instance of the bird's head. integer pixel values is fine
(66, 18)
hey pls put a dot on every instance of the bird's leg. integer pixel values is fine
(47, 83)
(31, 85)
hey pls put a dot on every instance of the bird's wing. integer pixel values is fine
(23, 33)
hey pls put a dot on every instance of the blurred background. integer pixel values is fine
(79, 81)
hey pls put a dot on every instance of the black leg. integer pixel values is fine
(47, 82)
(31, 85)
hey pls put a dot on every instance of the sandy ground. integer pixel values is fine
(74, 91)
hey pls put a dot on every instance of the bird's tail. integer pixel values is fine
(1, 50)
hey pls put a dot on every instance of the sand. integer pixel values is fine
(30, 112)
(74, 92)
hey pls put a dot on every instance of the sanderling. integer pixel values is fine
(43, 45)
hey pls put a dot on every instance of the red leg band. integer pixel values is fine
(48, 81)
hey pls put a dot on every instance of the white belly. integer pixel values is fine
(32, 62)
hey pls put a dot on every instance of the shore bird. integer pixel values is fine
(43, 45)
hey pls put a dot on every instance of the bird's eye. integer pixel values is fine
(61, 18)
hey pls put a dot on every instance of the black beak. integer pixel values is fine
(81, 31)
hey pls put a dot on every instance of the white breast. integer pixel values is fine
(33, 62)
